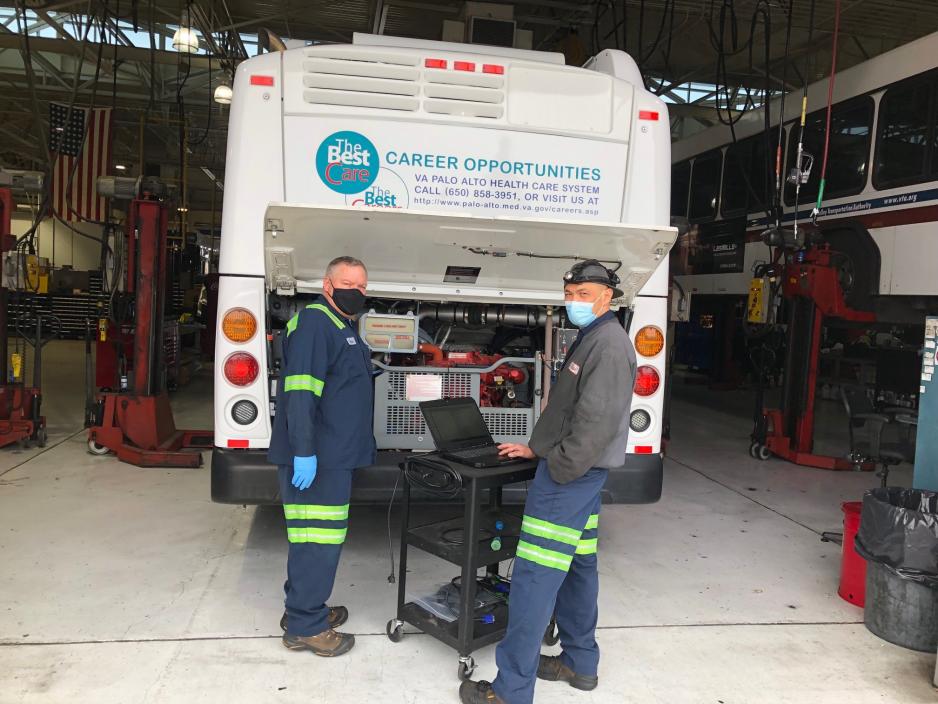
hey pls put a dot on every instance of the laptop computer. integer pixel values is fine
(460, 433)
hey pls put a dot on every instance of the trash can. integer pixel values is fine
(852, 566)
(898, 538)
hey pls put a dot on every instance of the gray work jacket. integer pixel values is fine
(586, 421)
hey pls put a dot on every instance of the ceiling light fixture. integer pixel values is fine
(185, 39)
(223, 94)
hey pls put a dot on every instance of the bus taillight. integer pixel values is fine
(239, 325)
(649, 341)
(647, 380)
(241, 369)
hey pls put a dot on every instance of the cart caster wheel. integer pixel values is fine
(395, 630)
(22, 444)
(551, 635)
(466, 668)
(41, 437)
(96, 449)
(763, 453)
(754, 450)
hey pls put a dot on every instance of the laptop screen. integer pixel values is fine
(455, 423)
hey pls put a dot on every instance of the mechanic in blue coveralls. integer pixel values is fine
(322, 432)
(579, 437)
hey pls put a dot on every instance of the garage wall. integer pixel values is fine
(62, 246)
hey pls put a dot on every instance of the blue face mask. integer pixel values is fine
(580, 313)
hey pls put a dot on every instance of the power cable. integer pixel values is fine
(830, 106)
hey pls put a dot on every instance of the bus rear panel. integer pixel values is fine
(467, 183)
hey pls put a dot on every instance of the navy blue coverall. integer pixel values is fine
(581, 434)
(325, 408)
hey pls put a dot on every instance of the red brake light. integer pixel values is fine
(435, 63)
(648, 115)
(643, 449)
(241, 369)
(464, 66)
(493, 68)
(647, 380)
(238, 443)
(262, 80)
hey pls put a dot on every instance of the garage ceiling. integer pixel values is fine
(678, 43)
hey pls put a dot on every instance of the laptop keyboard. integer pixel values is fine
(476, 451)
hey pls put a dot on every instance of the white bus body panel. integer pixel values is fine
(488, 131)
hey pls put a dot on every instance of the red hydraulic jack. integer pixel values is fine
(137, 425)
(812, 285)
(21, 421)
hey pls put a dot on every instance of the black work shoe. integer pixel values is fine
(551, 668)
(328, 644)
(478, 693)
(337, 616)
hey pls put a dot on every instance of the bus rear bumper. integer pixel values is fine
(246, 477)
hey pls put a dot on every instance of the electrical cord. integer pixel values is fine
(434, 477)
(392, 578)
(830, 107)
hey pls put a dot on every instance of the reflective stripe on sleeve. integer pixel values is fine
(303, 382)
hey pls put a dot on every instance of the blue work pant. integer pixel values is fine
(317, 521)
(554, 573)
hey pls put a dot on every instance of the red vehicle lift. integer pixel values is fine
(21, 421)
(137, 424)
(811, 283)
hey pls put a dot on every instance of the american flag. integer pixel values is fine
(82, 152)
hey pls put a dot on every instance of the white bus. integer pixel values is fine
(468, 179)
(881, 199)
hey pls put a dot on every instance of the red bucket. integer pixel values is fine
(852, 566)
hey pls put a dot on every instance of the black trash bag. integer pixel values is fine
(899, 529)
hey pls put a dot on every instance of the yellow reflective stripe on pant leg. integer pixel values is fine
(321, 308)
(587, 547)
(303, 382)
(551, 531)
(593, 522)
(323, 536)
(313, 512)
(543, 556)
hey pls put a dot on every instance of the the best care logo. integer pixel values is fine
(347, 162)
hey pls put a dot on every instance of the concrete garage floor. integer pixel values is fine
(126, 585)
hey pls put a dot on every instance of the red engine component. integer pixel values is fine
(496, 386)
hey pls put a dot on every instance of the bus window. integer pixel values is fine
(680, 186)
(851, 124)
(762, 171)
(906, 117)
(736, 172)
(705, 185)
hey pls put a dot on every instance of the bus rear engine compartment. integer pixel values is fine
(494, 354)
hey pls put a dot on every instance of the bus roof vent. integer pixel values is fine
(353, 77)
(466, 94)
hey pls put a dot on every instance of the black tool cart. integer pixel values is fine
(497, 541)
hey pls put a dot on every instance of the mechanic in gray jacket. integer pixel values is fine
(581, 434)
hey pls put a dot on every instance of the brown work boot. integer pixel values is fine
(552, 668)
(328, 644)
(337, 616)
(478, 693)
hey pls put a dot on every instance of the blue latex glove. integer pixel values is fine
(304, 471)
